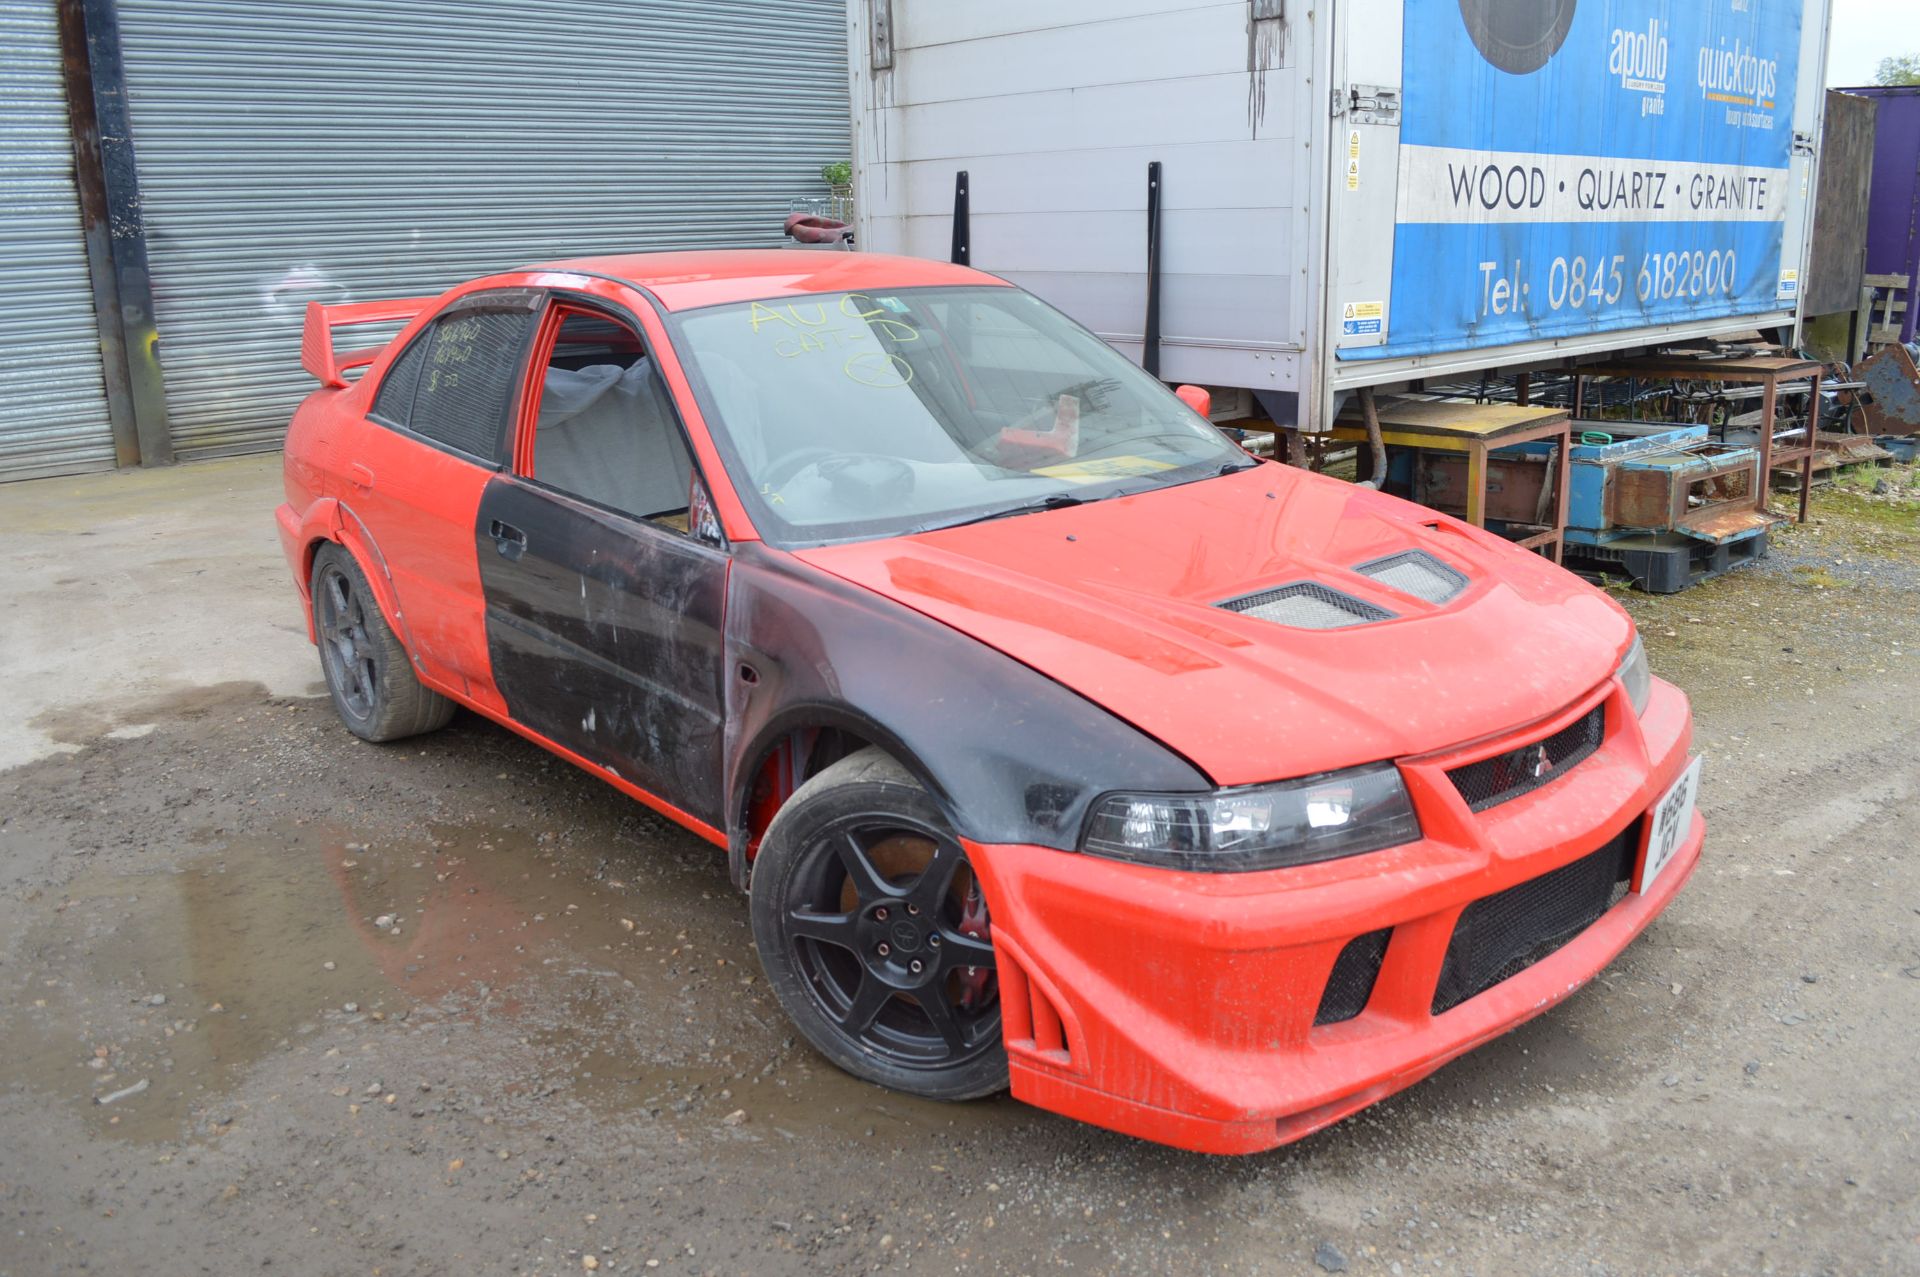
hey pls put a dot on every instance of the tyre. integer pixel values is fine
(874, 935)
(367, 669)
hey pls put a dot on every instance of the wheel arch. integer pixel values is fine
(791, 748)
(328, 522)
(1007, 754)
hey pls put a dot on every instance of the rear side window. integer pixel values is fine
(395, 399)
(454, 383)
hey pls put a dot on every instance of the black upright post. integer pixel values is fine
(126, 232)
(90, 185)
(1150, 355)
(962, 232)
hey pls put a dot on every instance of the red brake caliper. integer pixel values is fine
(975, 982)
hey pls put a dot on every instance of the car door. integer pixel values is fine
(601, 563)
(435, 433)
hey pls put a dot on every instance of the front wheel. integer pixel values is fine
(874, 935)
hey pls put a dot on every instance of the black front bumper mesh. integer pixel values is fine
(1499, 936)
(1350, 986)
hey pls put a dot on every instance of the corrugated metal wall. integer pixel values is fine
(53, 405)
(355, 149)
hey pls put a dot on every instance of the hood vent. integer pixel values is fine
(1308, 605)
(1417, 573)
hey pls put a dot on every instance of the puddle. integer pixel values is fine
(628, 980)
(236, 946)
(133, 717)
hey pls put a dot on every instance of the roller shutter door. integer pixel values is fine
(354, 149)
(53, 404)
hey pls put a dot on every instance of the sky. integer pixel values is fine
(1864, 31)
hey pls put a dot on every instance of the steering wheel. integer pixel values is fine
(779, 473)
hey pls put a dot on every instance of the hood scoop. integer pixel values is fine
(1307, 605)
(1417, 573)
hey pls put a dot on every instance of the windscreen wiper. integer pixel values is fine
(1052, 501)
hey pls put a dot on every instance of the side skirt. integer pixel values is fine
(627, 787)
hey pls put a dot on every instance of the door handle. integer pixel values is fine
(360, 476)
(509, 540)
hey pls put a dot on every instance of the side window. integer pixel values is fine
(606, 430)
(395, 399)
(455, 382)
(468, 379)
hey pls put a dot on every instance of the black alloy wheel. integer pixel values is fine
(875, 935)
(346, 649)
(368, 670)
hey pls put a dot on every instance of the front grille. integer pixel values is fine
(1493, 781)
(1499, 936)
(1354, 973)
(1308, 605)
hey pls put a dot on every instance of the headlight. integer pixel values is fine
(1634, 673)
(1259, 827)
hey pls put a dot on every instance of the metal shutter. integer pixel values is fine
(356, 149)
(53, 401)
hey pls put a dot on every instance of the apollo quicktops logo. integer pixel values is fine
(1738, 75)
(1639, 60)
(1744, 83)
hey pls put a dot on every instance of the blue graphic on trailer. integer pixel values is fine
(1581, 166)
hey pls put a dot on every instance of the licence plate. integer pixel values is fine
(1667, 829)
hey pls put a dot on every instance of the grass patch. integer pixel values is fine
(1817, 577)
(1892, 514)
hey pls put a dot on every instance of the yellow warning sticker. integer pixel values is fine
(1360, 319)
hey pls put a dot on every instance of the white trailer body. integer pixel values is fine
(1354, 192)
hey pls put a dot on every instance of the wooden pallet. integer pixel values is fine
(1888, 310)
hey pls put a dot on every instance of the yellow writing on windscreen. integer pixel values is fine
(815, 328)
(1092, 471)
(809, 314)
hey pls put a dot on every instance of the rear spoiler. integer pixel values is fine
(316, 342)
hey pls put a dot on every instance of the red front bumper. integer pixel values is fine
(1180, 1007)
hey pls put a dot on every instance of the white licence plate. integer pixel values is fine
(1667, 829)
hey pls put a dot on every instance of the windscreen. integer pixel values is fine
(853, 415)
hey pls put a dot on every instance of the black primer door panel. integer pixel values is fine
(605, 635)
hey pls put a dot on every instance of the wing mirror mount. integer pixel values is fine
(1196, 398)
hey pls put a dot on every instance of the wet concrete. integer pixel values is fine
(452, 1006)
(124, 587)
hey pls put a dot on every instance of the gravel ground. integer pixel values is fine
(275, 999)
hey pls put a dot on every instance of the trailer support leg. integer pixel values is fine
(1377, 451)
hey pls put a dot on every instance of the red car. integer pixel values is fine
(1058, 742)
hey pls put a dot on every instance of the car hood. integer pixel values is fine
(1118, 600)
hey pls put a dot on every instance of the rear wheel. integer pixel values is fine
(367, 669)
(872, 930)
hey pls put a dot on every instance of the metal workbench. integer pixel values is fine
(1772, 373)
(1477, 429)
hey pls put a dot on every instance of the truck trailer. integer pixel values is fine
(1289, 200)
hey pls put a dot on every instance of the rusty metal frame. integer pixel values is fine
(1769, 372)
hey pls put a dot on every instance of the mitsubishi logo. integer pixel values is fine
(1539, 762)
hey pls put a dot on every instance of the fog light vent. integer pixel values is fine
(1350, 986)
(1417, 573)
(1308, 605)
